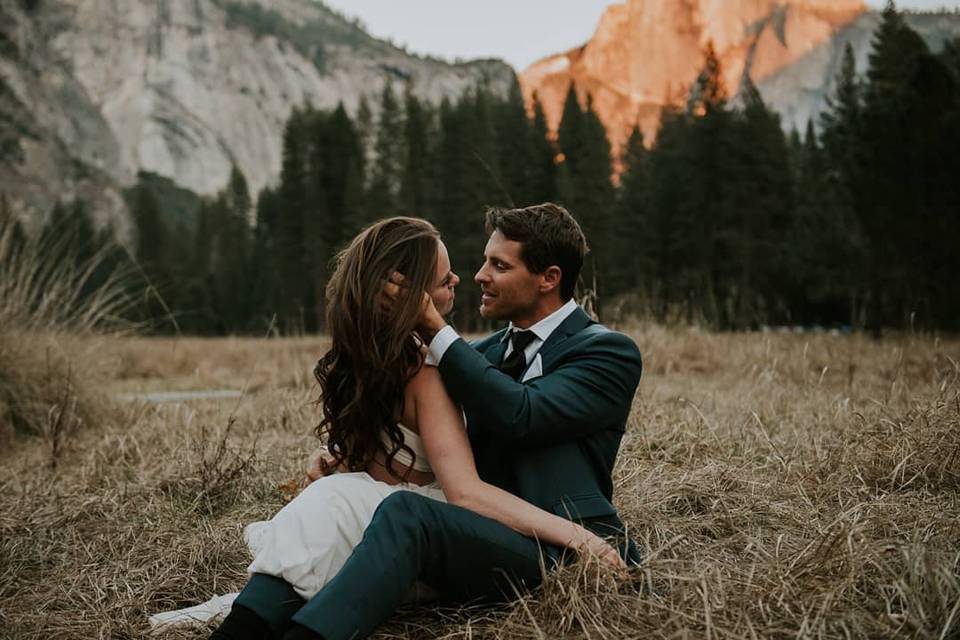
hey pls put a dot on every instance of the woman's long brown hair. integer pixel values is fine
(375, 351)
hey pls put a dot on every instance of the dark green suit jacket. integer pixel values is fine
(552, 440)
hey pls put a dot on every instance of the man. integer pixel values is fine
(546, 401)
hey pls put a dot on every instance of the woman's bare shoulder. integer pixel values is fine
(421, 388)
(424, 380)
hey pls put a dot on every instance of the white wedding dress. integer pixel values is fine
(309, 540)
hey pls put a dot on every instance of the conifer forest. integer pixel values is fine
(725, 219)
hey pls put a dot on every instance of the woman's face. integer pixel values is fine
(444, 283)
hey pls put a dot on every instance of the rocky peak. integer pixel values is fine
(645, 54)
(185, 88)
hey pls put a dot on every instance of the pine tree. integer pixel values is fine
(709, 213)
(231, 269)
(845, 164)
(795, 150)
(885, 187)
(569, 136)
(594, 199)
(294, 235)
(384, 192)
(762, 217)
(415, 171)
(543, 168)
(516, 148)
(635, 238)
(264, 259)
(585, 186)
(923, 224)
(339, 164)
(365, 133)
(676, 266)
(151, 232)
(465, 164)
(152, 248)
(826, 248)
(842, 120)
(484, 178)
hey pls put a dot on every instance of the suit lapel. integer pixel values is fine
(494, 352)
(573, 324)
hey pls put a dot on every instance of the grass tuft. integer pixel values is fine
(52, 305)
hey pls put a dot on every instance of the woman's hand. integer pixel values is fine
(321, 464)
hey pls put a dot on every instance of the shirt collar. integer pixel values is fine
(544, 327)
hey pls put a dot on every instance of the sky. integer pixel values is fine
(470, 29)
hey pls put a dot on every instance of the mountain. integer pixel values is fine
(94, 91)
(645, 54)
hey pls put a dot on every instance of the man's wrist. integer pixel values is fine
(430, 329)
(438, 344)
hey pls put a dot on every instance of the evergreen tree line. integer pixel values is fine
(724, 220)
(854, 223)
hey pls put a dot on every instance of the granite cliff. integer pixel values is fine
(645, 54)
(93, 91)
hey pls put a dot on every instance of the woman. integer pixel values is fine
(388, 422)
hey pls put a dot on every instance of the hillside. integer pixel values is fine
(91, 92)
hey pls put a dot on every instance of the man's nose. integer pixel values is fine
(481, 276)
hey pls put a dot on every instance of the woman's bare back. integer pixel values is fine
(378, 470)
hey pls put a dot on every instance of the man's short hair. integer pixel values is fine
(550, 236)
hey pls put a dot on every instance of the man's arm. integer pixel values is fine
(588, 392)
(445, 439)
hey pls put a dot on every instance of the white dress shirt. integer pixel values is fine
(541, 329)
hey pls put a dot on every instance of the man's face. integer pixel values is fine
(444, 282)
(510, 291)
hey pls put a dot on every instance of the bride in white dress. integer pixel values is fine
(389, 424)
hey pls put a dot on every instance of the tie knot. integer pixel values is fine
(521, 339)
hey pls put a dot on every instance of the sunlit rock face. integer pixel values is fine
(646, 54)
(186, 88)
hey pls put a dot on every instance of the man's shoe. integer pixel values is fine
(242, 624)
(299, 632)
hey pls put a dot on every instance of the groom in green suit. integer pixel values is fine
(546, 401)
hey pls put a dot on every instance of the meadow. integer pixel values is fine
(781, 486)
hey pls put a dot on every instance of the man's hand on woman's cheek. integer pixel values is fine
(430, 321)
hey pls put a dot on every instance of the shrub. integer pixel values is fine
(48, 313)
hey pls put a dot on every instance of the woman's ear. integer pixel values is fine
(550, 279)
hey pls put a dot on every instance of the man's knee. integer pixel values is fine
(404, 503)
(402, 511)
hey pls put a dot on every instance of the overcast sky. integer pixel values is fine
(518, 31)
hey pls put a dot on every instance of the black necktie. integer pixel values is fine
(514, 364)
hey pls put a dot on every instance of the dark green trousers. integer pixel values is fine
(465, 557)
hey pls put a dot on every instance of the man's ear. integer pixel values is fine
(550, 279)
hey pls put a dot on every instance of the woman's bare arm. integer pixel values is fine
(448, 449)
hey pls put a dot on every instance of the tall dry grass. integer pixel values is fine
(50, 368)
(781, 486)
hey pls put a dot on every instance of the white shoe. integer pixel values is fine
(214, 608)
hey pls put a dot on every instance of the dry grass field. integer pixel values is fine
(781, 485)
